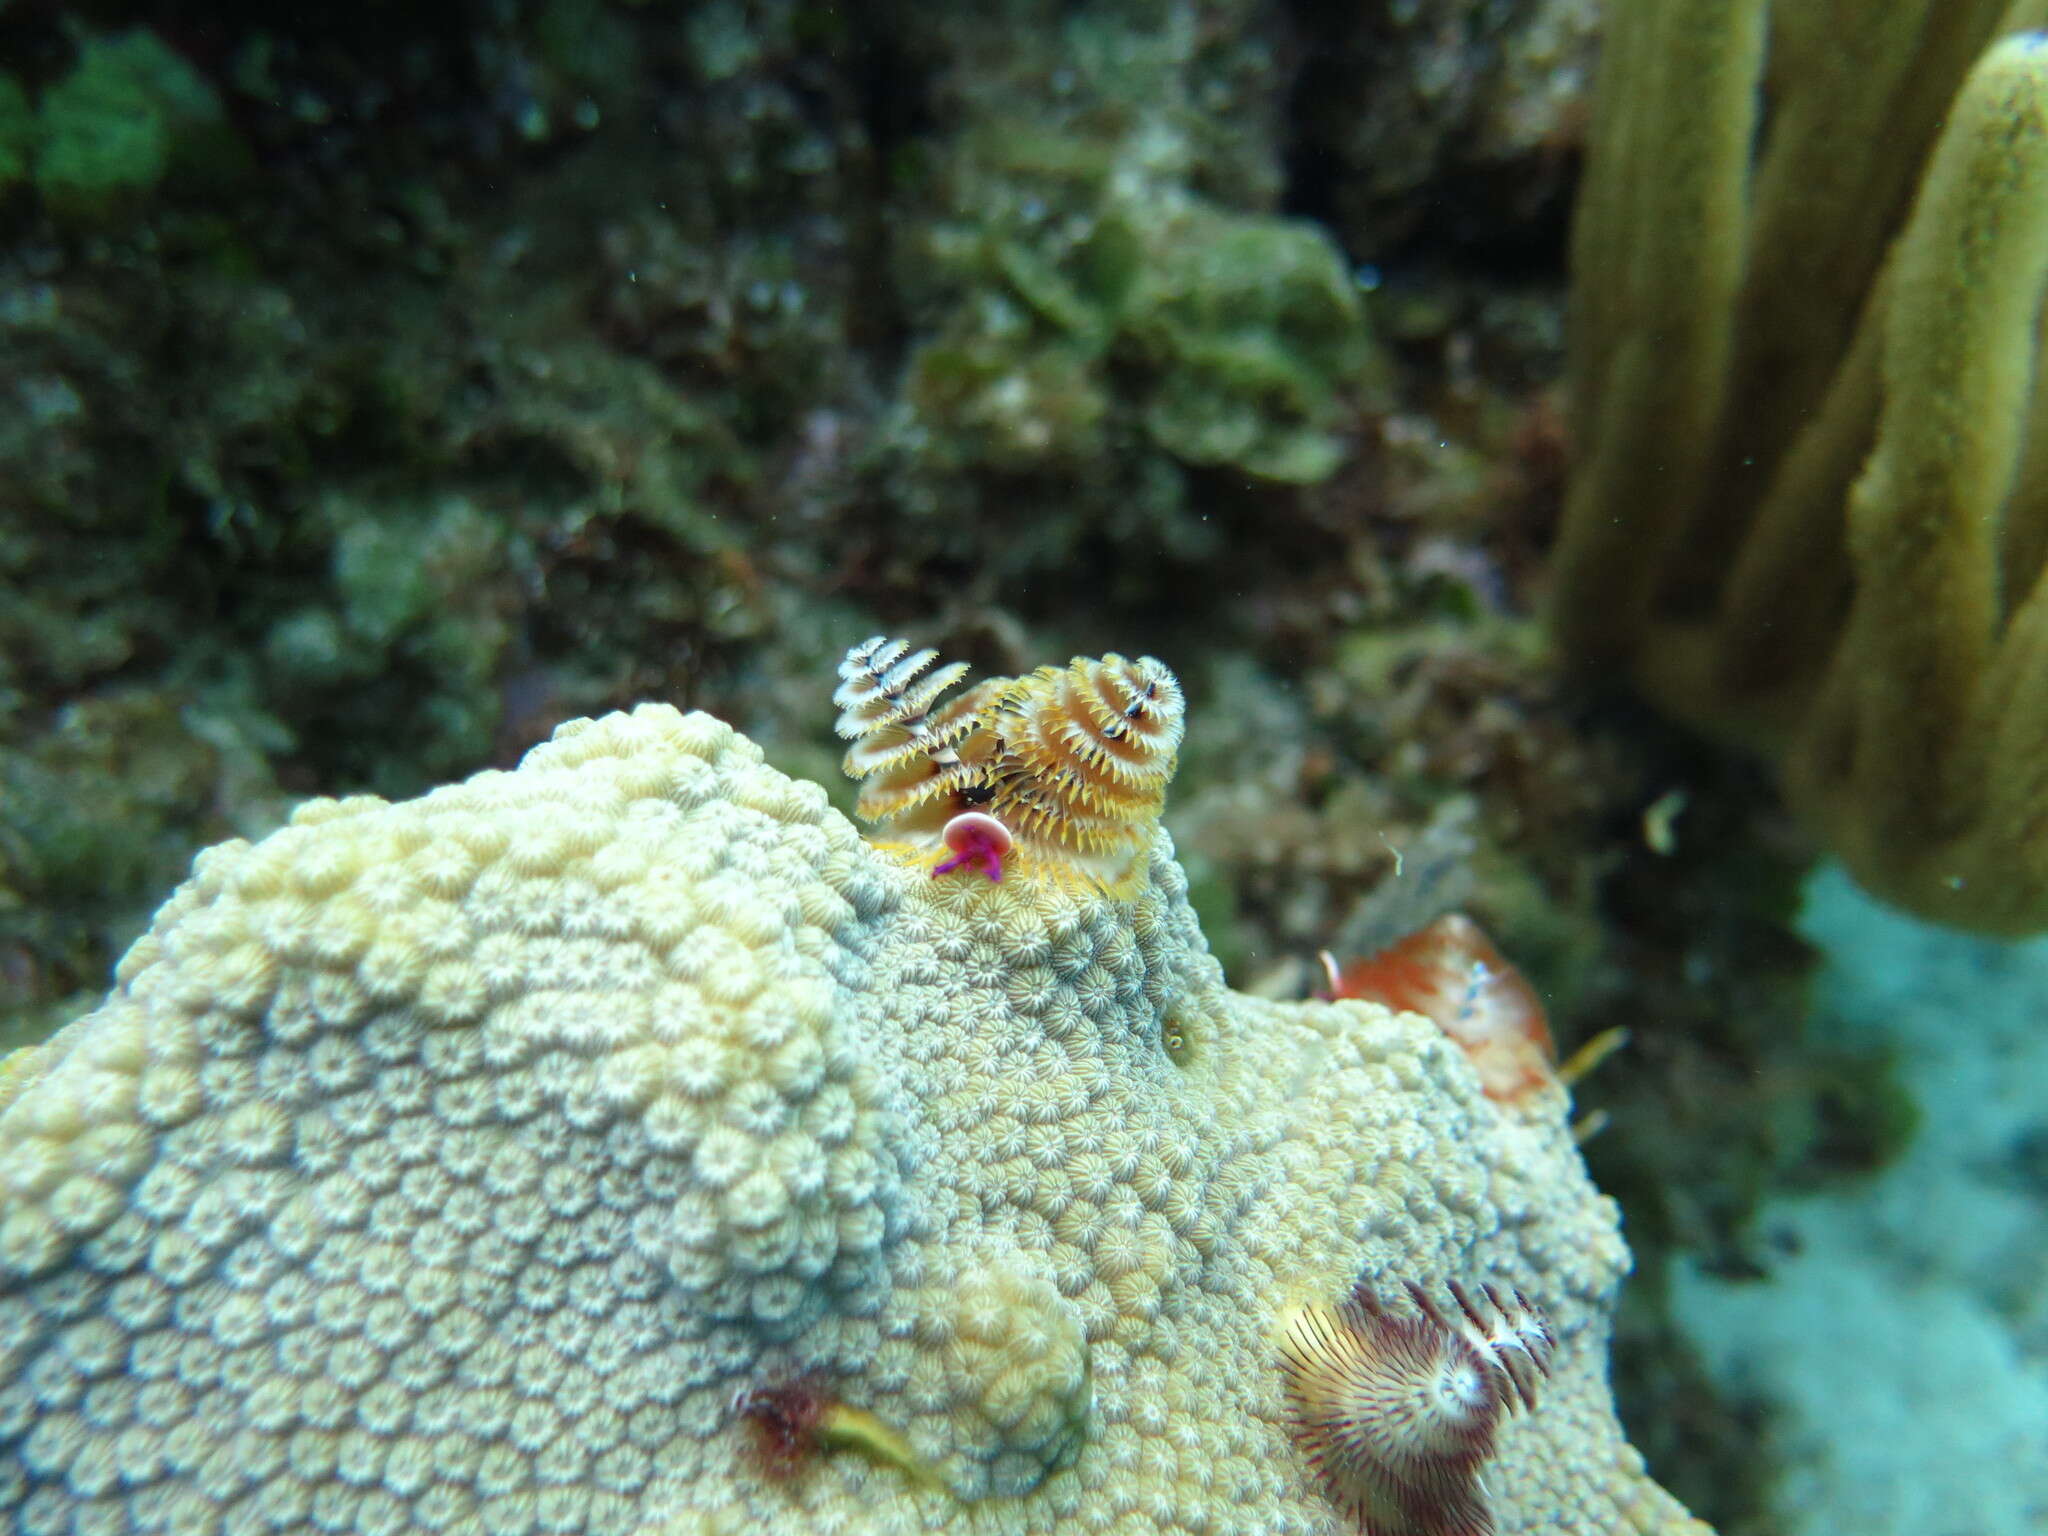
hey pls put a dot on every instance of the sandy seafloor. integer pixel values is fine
(1902, 1331)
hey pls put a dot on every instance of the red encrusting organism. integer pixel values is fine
(793, 1422)
(1450, 972)
(784, 1421)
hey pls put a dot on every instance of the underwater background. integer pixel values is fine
(1452, 392)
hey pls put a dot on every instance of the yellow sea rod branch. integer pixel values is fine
(1853, 111)
(2013, 722)
(1857, 108)
(1658, 252)
(2025, 550)
(1809, 512)
(1924, 517)
(1739, 587)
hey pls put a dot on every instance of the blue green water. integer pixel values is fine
(1901, 1329)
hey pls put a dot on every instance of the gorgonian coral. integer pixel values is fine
(1807, 509)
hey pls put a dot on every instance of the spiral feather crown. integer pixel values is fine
(1396, 1411)
(1073, 761)
(904, 736)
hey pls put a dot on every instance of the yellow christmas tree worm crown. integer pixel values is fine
(1073, 761)
(904, 749)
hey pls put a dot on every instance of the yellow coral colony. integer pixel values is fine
(1808, 509)
(1073, 760)
(469, 1165)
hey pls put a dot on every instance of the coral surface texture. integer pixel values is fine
(481, 1163)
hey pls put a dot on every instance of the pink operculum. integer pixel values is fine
(974, 840)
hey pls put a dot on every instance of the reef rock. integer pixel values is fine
(481, 1163)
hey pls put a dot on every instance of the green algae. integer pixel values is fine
(17, 133)
(128, 114)
(1087, 294)
(1237, 336)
